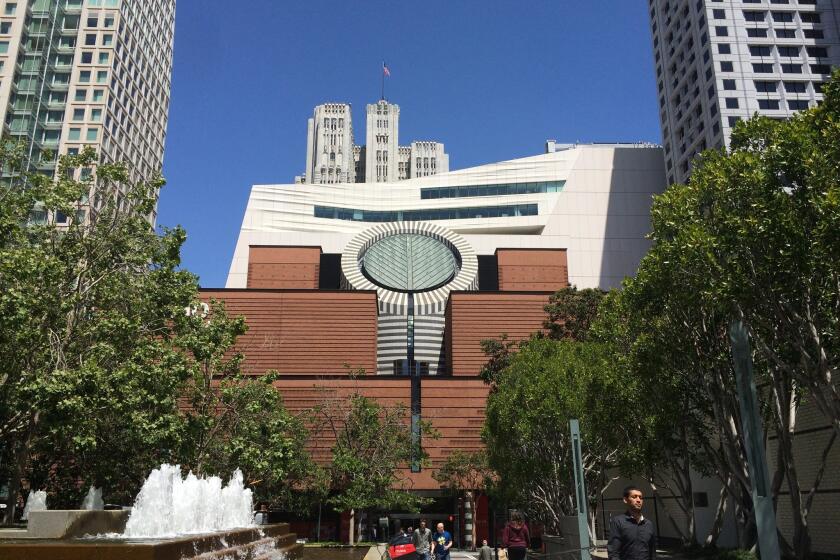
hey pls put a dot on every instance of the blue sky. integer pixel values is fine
(491, 79)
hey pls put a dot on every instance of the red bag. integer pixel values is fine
(400, 550)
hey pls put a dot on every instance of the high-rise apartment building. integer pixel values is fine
(720, 61)
(78, 73)
(380, 160)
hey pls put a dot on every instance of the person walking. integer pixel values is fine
(632, 537)
(516, 537)
(422, 541)
(485, 552)
(442, 540)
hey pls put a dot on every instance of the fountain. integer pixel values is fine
(93, 500)
(173, 518)
(36, 501)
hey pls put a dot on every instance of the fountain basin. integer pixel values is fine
(253, 543)
(74, 523)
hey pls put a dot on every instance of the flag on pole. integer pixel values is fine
(385, 70)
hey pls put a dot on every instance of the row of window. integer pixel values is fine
(771, 104)
(499, 189)
(356, 215)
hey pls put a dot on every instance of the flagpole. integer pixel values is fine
(382, 97)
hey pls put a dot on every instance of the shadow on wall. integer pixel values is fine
(635, 178)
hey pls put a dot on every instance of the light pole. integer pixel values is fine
(580, 490)
(765, 515)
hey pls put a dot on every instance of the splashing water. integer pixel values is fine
(93, 500)
(169, 505)
(36, 501)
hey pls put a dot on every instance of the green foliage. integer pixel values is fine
(547, 383)
(571, 313)
(753, 236)
(235, 420)
(98, 357)
(86, 370)
(465, 470)
(373, 446)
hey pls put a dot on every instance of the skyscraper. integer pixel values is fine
(78, 73)
(720, 61)
(329, 144)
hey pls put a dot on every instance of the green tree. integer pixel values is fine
(373, 449)
(754, 236)
(547, 383)
(234, 420)
(467, 472)
(571, 313)
(87, 371)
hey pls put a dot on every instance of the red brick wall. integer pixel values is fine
(283, 267)
(532, 269)
(455, 407)
(474, 316)
(304, 332)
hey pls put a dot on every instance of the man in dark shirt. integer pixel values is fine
(632, 537)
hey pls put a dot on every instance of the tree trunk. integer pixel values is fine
(717, 524)
(352, 525)
(18, 470)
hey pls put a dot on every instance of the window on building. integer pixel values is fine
(759, 50)
(786, 33)
(733, 121)
(90, 39)
(80, 94)
(96, 115)
(103, 57)
(754, 16)
(5, 27)
(102, 77)
(762, 68)
(93, 20)
(791, 68)
(4, 47)
(797, 104)
(724, 48)
(78, 114)
(768, 104)
(726, 66)
(98, 95)
(11, 8)
(766, 87)
(788, 51)
(729, 84)
(74, 134)
(756, 32)
(731, 103)
(820, 69)
(721, 31)
(108, 21)
(84, 76)
(87, 57)
(783, 17)
(718, 14)
(813, 33)
(817, 52)
(809, 17)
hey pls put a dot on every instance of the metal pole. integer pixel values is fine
(765, 515)
(580, 491)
